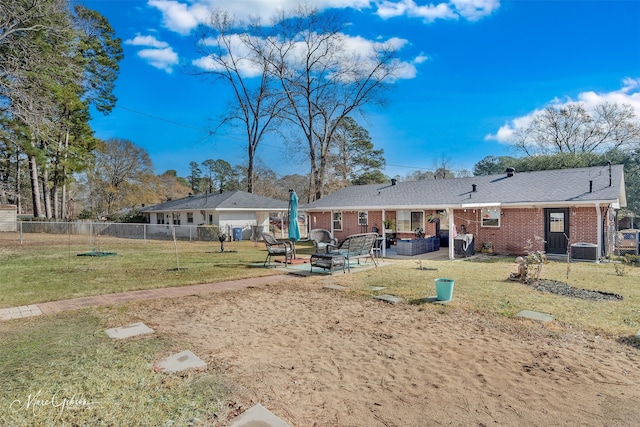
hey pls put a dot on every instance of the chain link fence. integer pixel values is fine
(123, 230)
(627, 242)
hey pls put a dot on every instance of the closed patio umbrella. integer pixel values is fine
(294, 227)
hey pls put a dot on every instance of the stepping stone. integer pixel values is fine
(181, 362)
(258, 416)
(528, 314)
(128, 331)
(434, 300)
(376, 288)
(335, 287)
(388, 298)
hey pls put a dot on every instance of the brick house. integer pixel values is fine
(503, 212)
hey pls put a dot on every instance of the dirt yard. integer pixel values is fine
(316, 357)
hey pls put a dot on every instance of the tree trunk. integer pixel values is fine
(55, 199)
(46, 193)
(63, 174)
(35, 186)
(251, 154)
(18, 182)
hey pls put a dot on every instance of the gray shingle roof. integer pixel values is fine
(565, 186)
(232, 200)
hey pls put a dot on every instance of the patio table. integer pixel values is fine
(327, 261)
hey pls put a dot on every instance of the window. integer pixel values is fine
(190, 217)
(363, 218)
(176, 218)
(159, 218)
(556, 222)
(409, 221)
(337, 220)
(491, 217)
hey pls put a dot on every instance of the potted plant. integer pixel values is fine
(389, 225)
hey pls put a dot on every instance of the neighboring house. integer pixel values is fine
(562, 207)
(227, 210)
(8, 217)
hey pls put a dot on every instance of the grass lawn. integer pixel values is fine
(65, 371)
(48, 359)
(48, 268)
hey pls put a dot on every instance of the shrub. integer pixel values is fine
(534, 260)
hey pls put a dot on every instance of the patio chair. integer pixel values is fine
(277, 248)
(321, 238)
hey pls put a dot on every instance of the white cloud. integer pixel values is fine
(471, 10)
(420, 59)
(163, 59)
(629, 93)
(475, 9)
(245, 67)
(148, 41)
(358, 54)
(182, 17)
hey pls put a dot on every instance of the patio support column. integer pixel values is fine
(599, 216)
(384, 235)
(452, 228)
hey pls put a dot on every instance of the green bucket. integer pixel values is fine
(444, 289)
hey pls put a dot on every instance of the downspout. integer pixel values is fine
(331, 221)
(451, 229)
(599, 215)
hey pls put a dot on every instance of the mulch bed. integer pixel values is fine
(561, 288)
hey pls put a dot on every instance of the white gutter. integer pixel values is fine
(479, 205)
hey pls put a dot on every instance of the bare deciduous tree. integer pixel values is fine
(573, 129)
(241, 60)
(324, 80)
(121, 173)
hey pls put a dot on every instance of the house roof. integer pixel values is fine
(227, 201)
(568, 187)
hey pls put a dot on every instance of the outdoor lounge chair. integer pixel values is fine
(321, 238)
(355, 246)
(277, 248)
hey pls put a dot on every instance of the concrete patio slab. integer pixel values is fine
(181, 362)
(258, 416)
(129, 331)
(388, 298)
(534, 315)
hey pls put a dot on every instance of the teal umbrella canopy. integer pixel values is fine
(294, 227)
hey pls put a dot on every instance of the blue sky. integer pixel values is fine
(475, 70)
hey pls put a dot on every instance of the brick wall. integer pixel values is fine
(517, 226)
(583, 224)
(320, 220)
